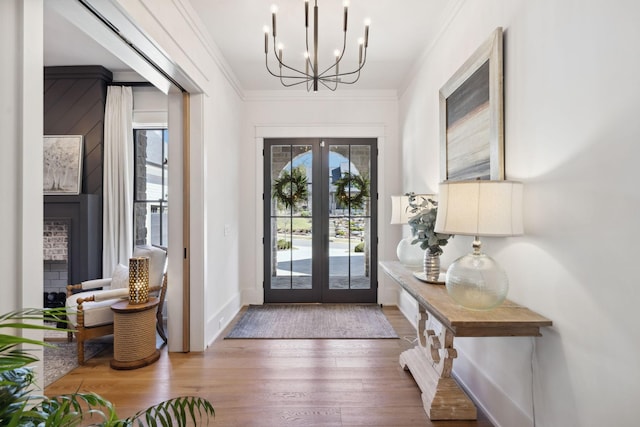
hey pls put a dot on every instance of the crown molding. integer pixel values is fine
(190, 16)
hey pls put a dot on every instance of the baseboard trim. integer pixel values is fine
(252, 296)
(222, 318)
(488, 397)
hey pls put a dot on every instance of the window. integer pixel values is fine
(150, 207)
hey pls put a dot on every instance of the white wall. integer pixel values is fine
(150, 107)
(213, 175)
(223, 203)
(21, 130)
(294, 114)
(571, 107)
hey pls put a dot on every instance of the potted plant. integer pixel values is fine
(19, 406)
(422, 224)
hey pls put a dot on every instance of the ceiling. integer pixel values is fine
(65, 44)
(399, 34)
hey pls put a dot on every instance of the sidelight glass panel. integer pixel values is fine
(349, 200)
(291, 219)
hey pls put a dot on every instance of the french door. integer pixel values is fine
(320, 220)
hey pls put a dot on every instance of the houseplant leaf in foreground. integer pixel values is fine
(20, 406)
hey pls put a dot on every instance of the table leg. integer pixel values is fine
(430, 362)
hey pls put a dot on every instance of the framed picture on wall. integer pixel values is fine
(472, 117)
(62, 172)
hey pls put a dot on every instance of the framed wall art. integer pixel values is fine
(62, 164)
(471, 117)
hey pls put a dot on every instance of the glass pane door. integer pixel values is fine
(318, 221)
(289, 239)
(350, 192)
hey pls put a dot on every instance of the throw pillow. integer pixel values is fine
(120, 277)
(157, 260)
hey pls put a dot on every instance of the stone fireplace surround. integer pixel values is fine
(55, 243)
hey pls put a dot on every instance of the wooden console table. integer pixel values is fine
(431, 360)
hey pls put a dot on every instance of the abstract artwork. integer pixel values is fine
(471, 117)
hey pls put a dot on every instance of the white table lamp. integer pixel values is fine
(479, 208)
(408, 254)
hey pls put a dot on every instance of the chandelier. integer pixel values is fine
(312, 75)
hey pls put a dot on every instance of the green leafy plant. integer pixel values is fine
(20, 406)
(423, 223)
(283, 244)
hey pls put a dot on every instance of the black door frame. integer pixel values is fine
(320, 291)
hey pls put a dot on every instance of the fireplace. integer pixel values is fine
(55, 242)
(72, 241)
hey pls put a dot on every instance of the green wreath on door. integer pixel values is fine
(355, 199)
(290, 188)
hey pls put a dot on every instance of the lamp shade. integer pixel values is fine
(399, 209)
(402, 206)
(480, 208)
(138, 280)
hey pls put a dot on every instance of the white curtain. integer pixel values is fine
(117, 208)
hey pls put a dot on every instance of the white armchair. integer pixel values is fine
(89, 311)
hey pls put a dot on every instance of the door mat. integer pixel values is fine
(313, 321)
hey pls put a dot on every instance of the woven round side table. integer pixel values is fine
(134, 334)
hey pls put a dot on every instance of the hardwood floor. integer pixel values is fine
(275, 382)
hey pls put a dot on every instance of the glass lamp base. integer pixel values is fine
(408, 254)
(477, 282)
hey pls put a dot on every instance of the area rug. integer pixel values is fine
(63, 358)
(313, 321)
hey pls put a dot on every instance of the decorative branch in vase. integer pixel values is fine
(422, 225)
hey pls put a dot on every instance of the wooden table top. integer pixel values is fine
(509, 319)
(125, 307)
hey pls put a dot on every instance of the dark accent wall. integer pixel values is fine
(74, 103)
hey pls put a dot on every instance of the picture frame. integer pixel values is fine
(62, 166)
(472, 116)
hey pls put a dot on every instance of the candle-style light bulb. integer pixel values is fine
(346, 12)
(266, 39)
(280, 48)
(360, 44)
(274, 10)
(367, 23)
